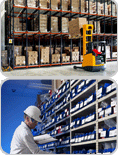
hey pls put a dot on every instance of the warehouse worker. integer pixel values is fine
(22, 141)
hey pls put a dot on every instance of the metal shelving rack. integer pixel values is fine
(26, 13)
(85, 110)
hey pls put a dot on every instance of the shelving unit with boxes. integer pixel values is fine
(44, 27)
(82, 115)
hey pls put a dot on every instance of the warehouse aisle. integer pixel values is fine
(63, 71)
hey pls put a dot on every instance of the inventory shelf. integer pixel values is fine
(88, 127)
(84, 143)
(107, 117)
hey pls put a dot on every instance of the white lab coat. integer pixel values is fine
(23, 142)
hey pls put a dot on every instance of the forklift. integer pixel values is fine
(93, 60)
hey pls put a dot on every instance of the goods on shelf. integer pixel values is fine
(90, 151)
(43, 3)
(75, 5)
(17, 51)
(31, 3)
(54, 24)
(54, 5)
(75, 55)
(65, 58)
(21, 2)
(4, 58)
(65, 24)
(65, 5)
(55, 58)
(75, 27)
(32, 57)
(19, 60)
(17, 24)
(45, 55)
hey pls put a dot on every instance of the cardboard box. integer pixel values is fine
(17, 24)
(54, 4)
(65, 24)
(65, 58)
(45, 55)
(4, 58)
(54, 24)
(43, 3)
(55, 58)
(19, 60)
(75, 27)
(17, 51)
(31, 3)
(75, 5)
(65, 5)
(75, 56)
(21, 2)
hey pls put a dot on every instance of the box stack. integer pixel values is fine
(45, 55)
(17, 24)
(65, 58)
(54, 24)
(75, 54)
(32, 57)
(90, 7)
(97, 28)
(19, 60)
(31, 3)
(43, 3)
(55, 58)
(65, 5)
(65, 24)
(106, 8)
(43, 23)
(4, 58)
(75, 27)
(75, 5)
(54, 4)
(21, 2)
(17, 51)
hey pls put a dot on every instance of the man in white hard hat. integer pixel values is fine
(22, 141)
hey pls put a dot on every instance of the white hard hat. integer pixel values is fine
(33, 112)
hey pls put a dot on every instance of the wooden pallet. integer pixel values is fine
(45, 63)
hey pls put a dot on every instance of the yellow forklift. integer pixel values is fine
(93, 60)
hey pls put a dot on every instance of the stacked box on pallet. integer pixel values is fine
(4, 58)
(54, 4)
(32, 57)
(19, 2)
(17, 51)
(75, 5)
(65, 24)
(31, 3)
(19, 60)
(75, 56)
(42, 3)
(54, 24)
(75, 27)
(64, 5)
(55, 58)
(45, 55)
(65, 58)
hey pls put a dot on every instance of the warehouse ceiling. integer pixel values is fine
(26, 88)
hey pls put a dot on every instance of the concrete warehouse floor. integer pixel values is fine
(66, 70)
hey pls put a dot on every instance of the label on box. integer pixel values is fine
(113, 86)
(89, 136)
(99, 110)
(113, 103)
(79, 139)
(99, 93)
(90, 98)
(86, 137)
(85, 103)
(73, 94)
(87, 81)
(108, 111)
(101, 113)
(78, 121)
(73, 90)
(83, 121)
(92, 136)
(108, 89)
(78, 90)
(81, 104)
(92, 117)
(113, 133)
(114, 110)
(103, 134)
(82, 138)
(77, 106)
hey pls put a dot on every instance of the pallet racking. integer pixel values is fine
(26, 38)
(85, 110)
